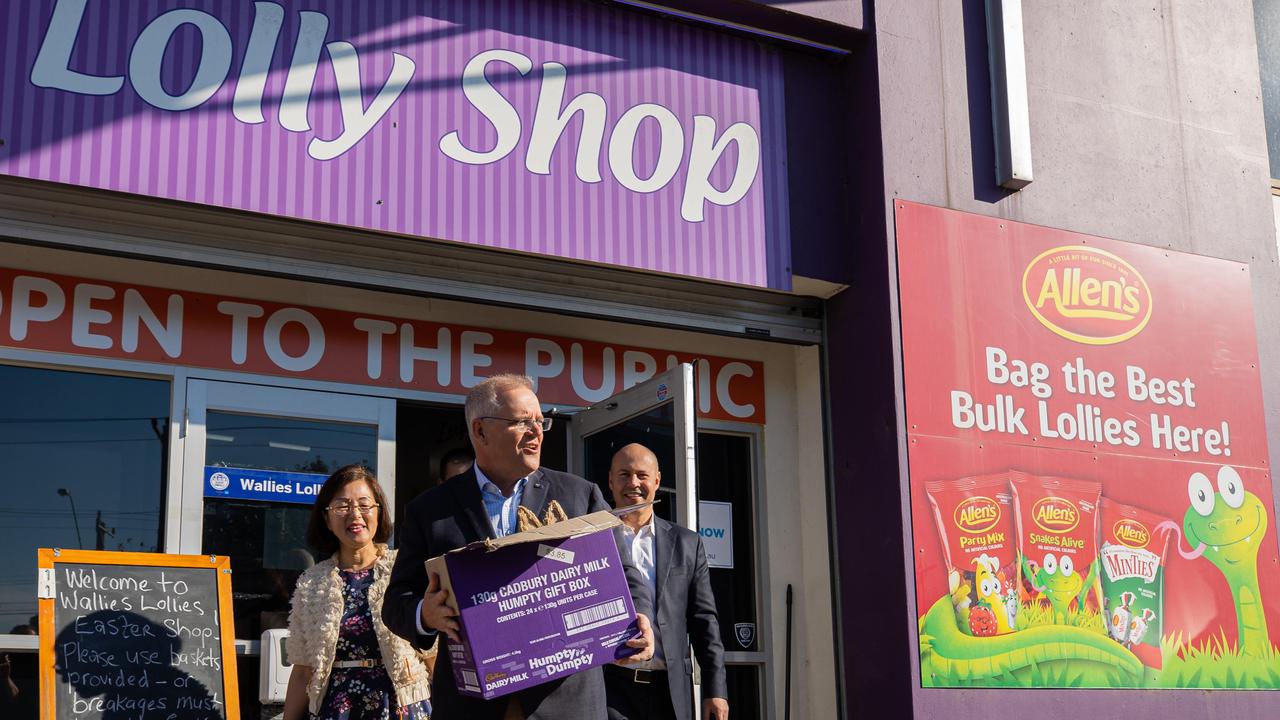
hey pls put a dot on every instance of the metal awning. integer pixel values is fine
(162, 230)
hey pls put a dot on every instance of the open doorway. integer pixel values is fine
(425, 436)
(428, 435)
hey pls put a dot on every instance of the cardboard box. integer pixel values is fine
(537, 605)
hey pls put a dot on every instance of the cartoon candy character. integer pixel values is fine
(988, 587)
(1138, 626)
(1118, 623)
(1059, 582)
(1011, 605)
(1227, 528)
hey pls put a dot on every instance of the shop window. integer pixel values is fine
(725, 476)
(84, 467)
(744, 692)
(267, 540)
(84, 458)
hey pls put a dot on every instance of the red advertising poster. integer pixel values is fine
(1091, 500)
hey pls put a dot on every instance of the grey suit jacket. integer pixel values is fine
(452, 515)
(686, 613)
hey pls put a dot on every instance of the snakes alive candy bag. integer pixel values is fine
(1057, 521)
(1133, 560)
(975, 520)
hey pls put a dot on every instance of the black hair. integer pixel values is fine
(460, 454)
(319, 536)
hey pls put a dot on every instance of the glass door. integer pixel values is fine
(713, 494)
(254, 459)
(658, 414)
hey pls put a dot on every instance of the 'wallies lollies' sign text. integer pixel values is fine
(262, 485)
(565, 129)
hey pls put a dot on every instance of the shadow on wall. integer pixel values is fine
(109, 683)
(100, 52)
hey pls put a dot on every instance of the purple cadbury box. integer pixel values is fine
(537, 605)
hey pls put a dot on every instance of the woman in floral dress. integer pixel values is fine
(347, 665)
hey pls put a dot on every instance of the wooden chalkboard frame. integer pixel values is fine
(48, 558)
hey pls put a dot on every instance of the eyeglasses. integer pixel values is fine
(525, 424)
(345, 509)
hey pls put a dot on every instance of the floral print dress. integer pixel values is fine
(362, 693)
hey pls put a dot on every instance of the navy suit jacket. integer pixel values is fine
(451, 516)
(686, 613)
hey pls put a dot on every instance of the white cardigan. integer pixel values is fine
(313, 631)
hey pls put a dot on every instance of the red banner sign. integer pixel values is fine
(1091, 494)
(87, 317)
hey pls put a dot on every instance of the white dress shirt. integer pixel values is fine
(641, 544)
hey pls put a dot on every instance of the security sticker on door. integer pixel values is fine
(715, 525)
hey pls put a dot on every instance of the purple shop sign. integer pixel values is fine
(562, 127)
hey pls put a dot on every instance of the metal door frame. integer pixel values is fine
(674, 386)
(272, 401)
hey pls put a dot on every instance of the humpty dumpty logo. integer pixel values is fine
(1131, 533)
(1087, 295)
(219, 481)
(977, 514)
(1055, 514)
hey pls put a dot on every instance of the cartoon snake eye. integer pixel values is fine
(1201, 493)
(1230, 486)
(1066, 566)
(1050, 564)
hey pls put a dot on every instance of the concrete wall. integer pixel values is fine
(1146, 126)
(843, 12)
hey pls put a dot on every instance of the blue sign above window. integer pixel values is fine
(262, 485)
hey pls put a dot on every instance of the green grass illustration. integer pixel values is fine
(1217, 663)
(1036, 614)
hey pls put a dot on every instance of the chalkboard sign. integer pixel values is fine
(136, 635)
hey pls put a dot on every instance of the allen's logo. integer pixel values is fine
(1055, 514)
(977, 514)
(1131, 533)
(1087, 295)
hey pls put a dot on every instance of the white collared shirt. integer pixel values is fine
(642, 546)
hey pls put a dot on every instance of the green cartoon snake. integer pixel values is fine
(950, 657)
(1227, 528)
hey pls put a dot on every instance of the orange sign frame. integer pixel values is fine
(47, 558)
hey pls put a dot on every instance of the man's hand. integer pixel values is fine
(644, 643)
(436, 613)
(715, 709)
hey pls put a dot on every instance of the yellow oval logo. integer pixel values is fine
(1055, 514)
(977, 514)
(1087, 295)
(1131, 533)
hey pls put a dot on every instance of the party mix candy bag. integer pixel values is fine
(975, 521)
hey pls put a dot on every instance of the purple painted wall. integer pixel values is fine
(158, 99)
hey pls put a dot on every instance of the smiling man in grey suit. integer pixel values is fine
(675, 564)
(506, 425)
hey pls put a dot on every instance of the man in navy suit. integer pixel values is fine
(506, 426)
(675, 564)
